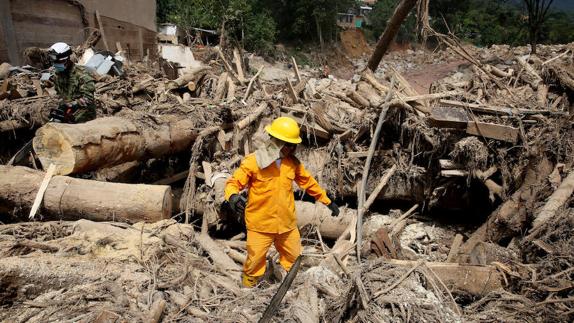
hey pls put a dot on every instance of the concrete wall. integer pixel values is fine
(37, 23)
(136, 42)
(137, 12)
(40, 23)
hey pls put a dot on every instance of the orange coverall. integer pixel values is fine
(270, 211)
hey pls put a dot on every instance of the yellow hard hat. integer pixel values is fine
(285, 129)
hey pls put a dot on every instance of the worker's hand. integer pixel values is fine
(237, 204)
(334, 209)
(56, 115)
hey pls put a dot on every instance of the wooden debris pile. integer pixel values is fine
(495, 138)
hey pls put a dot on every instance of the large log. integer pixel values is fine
(460, 278)
(72, 198)
(319, 215)
(555, 202)
(510, 218)
(401, 12)
(106, 142)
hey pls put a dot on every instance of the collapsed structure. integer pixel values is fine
(491, 143)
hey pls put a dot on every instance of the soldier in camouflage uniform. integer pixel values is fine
(74, 85)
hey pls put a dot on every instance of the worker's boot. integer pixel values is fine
(249, 281)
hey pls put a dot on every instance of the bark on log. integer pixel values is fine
(485, 253)
(72, 198)
(459, 278)
(106, 142)
(192, 76)
(510, 218)
(319, 215)
(368, 92)
(401, 12)
(220, 259)
(555, 202)
(221, 86)
(359, 99)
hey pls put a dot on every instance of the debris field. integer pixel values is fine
(456, 192)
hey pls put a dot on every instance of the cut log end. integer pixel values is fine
(60, 152)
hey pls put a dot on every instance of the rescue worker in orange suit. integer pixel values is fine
(270, 207)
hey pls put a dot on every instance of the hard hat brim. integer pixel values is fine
(270, 131)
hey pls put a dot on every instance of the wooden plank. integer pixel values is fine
(453, 173)
(432, 96)
(291, 91)
(477, 107)
(363, 154)
(448, 117)
(454, 248)
(296, 69)
(101, 27)
(230, 89)
(493, 131)
(41, 191)
(237, 60)
(448, 164)
(496, 110)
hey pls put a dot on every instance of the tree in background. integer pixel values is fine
(381, 13)
(303, 20)
(559, 28)
(489, 22)
(256, 23)
(245, 21)
(537, 15)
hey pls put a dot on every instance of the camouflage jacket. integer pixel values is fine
(79, 86)
(74, 85)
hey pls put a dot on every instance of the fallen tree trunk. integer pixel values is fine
(510, 219)
(556, 201)
(105, 142)
(393, 25)
(462, 279)
(72, 198)
(331, 227)
(319, 215)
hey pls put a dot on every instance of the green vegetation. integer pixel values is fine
(482, 22)
(381, 12)
(257, 24)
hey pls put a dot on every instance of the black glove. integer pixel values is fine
(57, 115)
(237, 204)
(334, 209)
(64, 112)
